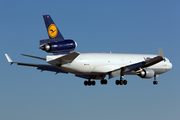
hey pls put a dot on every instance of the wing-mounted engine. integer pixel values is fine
(58, 46)
(146, 73)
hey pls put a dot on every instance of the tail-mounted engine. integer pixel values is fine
(59, 46)
(146, 73)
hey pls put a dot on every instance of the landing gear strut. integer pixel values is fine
(155, 82)
(121, 81)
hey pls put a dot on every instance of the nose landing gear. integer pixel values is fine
(155, 82)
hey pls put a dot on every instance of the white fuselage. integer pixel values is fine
(98, 63)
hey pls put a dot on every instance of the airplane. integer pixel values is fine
(94, 66)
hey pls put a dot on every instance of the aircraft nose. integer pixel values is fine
(170, 66)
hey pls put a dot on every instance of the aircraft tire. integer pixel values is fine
(125, 82)
(121, 82)
(104, 82)
(155, 82)
(89, 83)
(93, 83)
(117, 82)
(85, 83)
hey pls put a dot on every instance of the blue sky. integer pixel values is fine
(97, 26)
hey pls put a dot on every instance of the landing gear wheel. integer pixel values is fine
(121, 82)
(89, 83)
(93, 83)
(104, 82)
(117, 82)
(101, 82)
(125, 82)
(85, 83)
(155, 82)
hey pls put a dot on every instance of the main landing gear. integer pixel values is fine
(89, 83)
(103, 81)
(93, 83)
(117, 82)
(121, 81)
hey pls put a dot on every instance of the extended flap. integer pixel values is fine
(114, 73)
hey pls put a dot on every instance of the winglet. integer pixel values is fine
(161, 52)
(9, 59)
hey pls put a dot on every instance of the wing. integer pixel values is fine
(39, 66)
(138, 66)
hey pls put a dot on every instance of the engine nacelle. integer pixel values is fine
(61, 46)
(146, 73)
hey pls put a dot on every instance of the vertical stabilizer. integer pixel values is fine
(52, 30)
(56, 44)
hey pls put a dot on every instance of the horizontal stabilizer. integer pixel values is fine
(34, 57)
(68, 58)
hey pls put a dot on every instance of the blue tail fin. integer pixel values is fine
(52, 30)
(56, 44)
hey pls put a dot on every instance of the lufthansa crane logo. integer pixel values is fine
(52, 31)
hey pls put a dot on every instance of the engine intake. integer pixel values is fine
(146, 73)
(61, 46)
